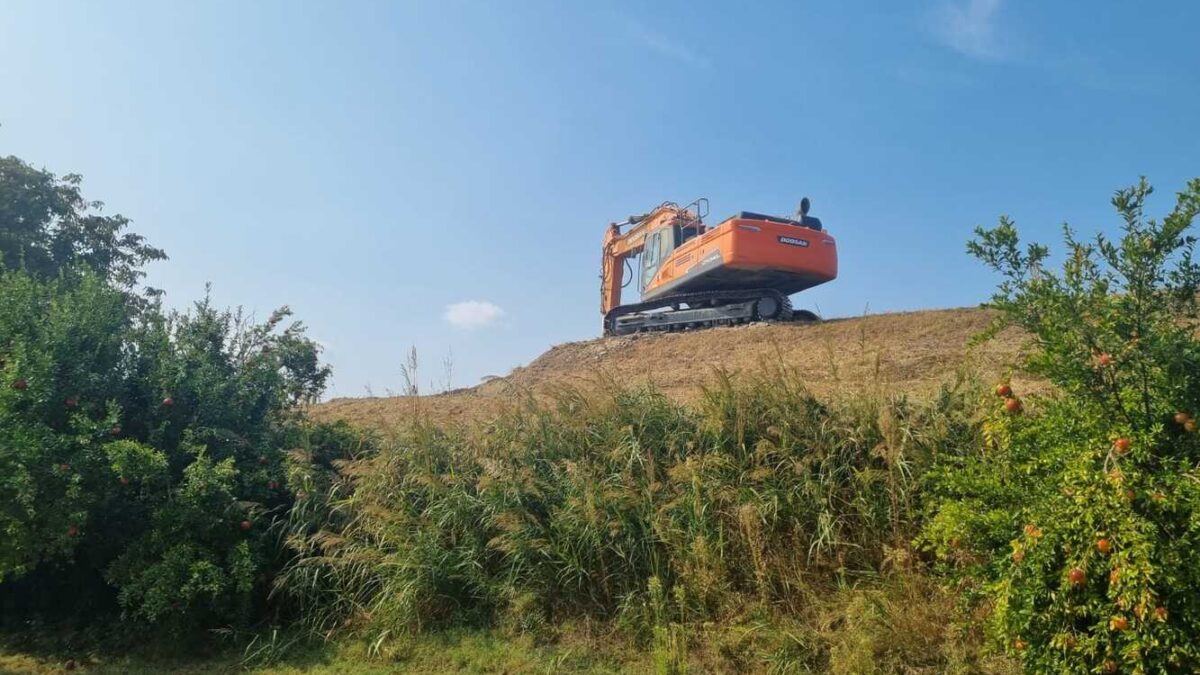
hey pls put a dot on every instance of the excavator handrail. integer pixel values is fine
(698, 203)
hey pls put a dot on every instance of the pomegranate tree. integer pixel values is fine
(1106, 457)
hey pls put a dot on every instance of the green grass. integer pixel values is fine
(452, 651)
(901, 625)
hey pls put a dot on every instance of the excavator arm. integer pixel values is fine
(619, 247)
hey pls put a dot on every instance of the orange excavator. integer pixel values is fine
(694, 275)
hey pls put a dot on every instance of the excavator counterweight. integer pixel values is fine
(692, 275)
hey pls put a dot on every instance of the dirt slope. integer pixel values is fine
(912, 352)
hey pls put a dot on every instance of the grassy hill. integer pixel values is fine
(913, 352)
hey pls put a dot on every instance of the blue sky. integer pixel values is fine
(373, 164)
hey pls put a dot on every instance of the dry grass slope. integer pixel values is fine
(912, 352)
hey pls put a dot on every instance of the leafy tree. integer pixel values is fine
(133, 447)
(1079, 519)
(47, 228)
(142, 452)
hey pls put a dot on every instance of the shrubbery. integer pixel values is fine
(1079, 518)
(141, 451)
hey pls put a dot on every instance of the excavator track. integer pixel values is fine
(704, 310)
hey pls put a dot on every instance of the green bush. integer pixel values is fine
(142, 452)
(1078, 520)
(139, 443)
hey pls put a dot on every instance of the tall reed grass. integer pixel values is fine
(618, 505)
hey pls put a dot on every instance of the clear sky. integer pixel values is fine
(374, 164)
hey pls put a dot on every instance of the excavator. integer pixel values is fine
(693, 275)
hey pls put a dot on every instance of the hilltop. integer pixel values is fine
(912, 352)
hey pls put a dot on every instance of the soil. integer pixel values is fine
(913, 352)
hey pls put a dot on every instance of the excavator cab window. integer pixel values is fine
(670, 239)
(658, 248)
(651, 258)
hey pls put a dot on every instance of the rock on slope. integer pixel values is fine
(911, 352)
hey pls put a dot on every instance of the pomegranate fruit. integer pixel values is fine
(1077, 576)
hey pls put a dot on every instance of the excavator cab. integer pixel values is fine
(661, 243)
